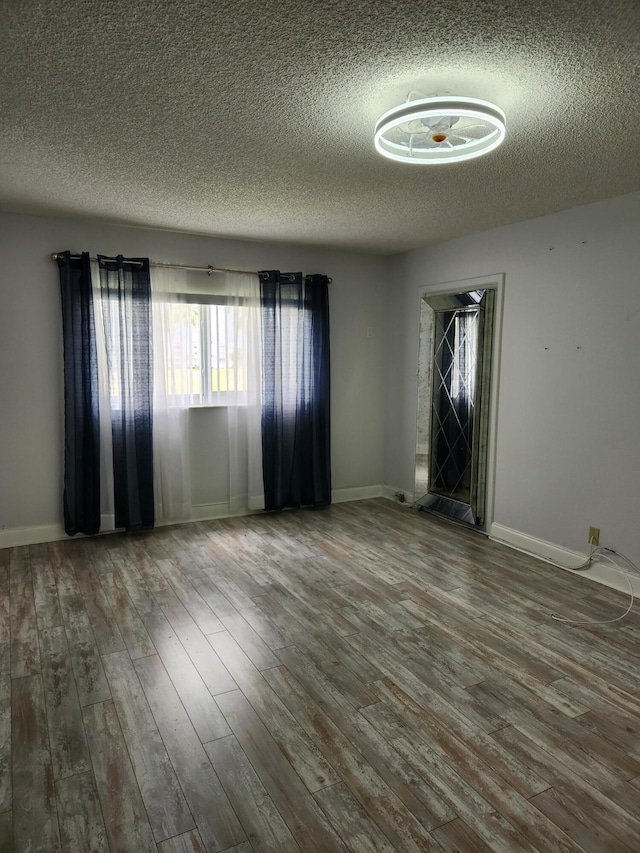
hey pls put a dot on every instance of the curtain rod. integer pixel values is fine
(210, 269)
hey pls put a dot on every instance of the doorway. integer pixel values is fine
(454, 390)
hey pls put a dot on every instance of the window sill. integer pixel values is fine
(197, 406)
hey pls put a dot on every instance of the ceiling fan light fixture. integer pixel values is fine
(440, 129)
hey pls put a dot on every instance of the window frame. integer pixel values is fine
(208, 397)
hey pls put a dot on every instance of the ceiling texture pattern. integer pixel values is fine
(256, 120)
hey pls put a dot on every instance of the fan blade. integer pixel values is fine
(477, 131)
(415, 126)
(439, 124)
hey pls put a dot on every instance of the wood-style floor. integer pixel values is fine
(361, 678)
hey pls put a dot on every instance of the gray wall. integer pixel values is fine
(568, 448)
(31, 414)
(568, 454)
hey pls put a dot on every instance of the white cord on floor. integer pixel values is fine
(626, 559)
(580, 568)
(616, 568)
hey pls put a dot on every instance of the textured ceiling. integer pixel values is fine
(255, 119)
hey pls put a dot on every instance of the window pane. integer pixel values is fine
(228, 348)
(181, 332)
(205, 350)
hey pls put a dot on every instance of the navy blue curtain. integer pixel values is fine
(81, 497)
(296, 451)
(126, 303)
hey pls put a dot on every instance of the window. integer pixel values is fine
(205, 346)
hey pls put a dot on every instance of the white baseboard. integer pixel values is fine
(564, 558)
(358, 493)
(205, 512)
(390, 492)
(31, 535)
(202, 512)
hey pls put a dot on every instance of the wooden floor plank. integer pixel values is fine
(463, 745)
(188, 842)
(458, 837)
(423, 802)
(163, 799)
(5, 603)
(358, 830)
(226, 598)
(206, 584)
(476, 637)
(362, 678)
(206, 661)
(357, 664)
(331, 664)
(96, 603)
(303, 755)
(25, 653)
(80, 816)
(611, 728)
(620, 668)
(91, 683)
(198, 609)
(132, 630)
(506, 798)
(5, 728)
(230, 551)
(137, 589)
(215, 819)
(577, 823)
(249, 641)
(620, 707)
(608, 813)
(455, 662)
(48, 614)
(582, 750)
(6, 832)
(459, 793)
(305, 820)
(385, 808)
(258, 815)
(454, 701)
(125, 818)
(206, 717)
(69, 751)
(275, 612)
(146, 565)
(35, 820)
(558, 656)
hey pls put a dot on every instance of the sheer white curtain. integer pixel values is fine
(207, 352)
(174, 379)
(243, 352)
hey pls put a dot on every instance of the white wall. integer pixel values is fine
(31, 410)
(568, 441)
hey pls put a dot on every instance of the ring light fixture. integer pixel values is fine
(440, 129)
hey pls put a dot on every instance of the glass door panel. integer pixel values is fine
(453, 404)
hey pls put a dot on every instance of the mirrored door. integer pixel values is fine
(453, 405)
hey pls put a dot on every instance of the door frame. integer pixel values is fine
(495, 282)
